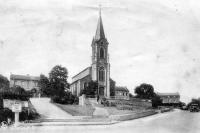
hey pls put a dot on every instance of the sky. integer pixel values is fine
(150, 41)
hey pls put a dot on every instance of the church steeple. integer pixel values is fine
(100, 68)
(99, 31)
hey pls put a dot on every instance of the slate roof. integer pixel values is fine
(24, 77)
(85, 72)
(121, 88)
(168, 94)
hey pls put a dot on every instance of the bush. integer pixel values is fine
(27, 115)
(24, 115)
(5, 114)
(16, 93)
(67, 98)
(156, 101)
(105, 102)
(112, 104)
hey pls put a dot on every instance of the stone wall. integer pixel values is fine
(132, 116)
(132, 102)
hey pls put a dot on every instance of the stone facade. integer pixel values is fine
(121, 93)
(100, 68)
(169, 98)
(80, 80)
(25, 81)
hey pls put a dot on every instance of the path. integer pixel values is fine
(98, 110)
(48, 110)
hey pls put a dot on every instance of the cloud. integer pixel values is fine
(154, 42)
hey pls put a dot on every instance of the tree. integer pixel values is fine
(16, 92)
(145, 91)
(112, 87)
(156, 101)
(131, 95)
(91, 88)
(4, 82)
(44, 85)
(58, 80)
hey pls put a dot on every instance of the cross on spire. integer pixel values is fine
(99, 9)
(99, 31)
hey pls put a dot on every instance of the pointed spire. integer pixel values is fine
(100, 10)
(100, 31)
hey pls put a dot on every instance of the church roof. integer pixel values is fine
(81, 74)
(99, 31)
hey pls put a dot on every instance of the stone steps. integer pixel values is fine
(92, 119)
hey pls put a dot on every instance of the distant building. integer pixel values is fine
(121, 92)
(169, 98)
(99, 70)
(25, 81)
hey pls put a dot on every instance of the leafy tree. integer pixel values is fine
(4, 82)
(131, 95)
(67, 98)
(58, 80)
(112, 87)
(156, 101)
(44, 85)
(91, 89)
(145, 91)
(16, 92)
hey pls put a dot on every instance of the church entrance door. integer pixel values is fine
(101, 91)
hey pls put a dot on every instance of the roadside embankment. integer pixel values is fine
(132, 116)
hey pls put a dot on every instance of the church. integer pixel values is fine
(100, 67)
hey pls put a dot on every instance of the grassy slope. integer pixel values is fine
(76, 110)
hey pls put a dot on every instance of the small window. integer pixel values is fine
(85, 85)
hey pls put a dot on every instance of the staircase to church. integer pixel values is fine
(92, 101)
(100, 112)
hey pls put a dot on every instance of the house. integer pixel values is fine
(25, 81)
(121, 92)
(99, 70)
(169, 98)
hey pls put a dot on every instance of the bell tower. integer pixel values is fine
(100, 60)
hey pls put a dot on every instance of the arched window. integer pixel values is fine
(85, 85)
(101, 52)
(101, 74)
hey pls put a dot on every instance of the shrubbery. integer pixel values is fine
(16, 93)
(27, 115)
(67, 98)
(24, 115)
(5, 114)
(56, 85)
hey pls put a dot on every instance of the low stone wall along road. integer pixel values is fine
(170, 122)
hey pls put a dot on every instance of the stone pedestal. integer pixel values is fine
(82, 100)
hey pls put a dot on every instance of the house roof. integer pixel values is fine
(24, 77)
(121, 88)
(168, 94)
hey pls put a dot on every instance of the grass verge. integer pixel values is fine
(76, 110)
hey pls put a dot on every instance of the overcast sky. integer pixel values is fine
(151, 41)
